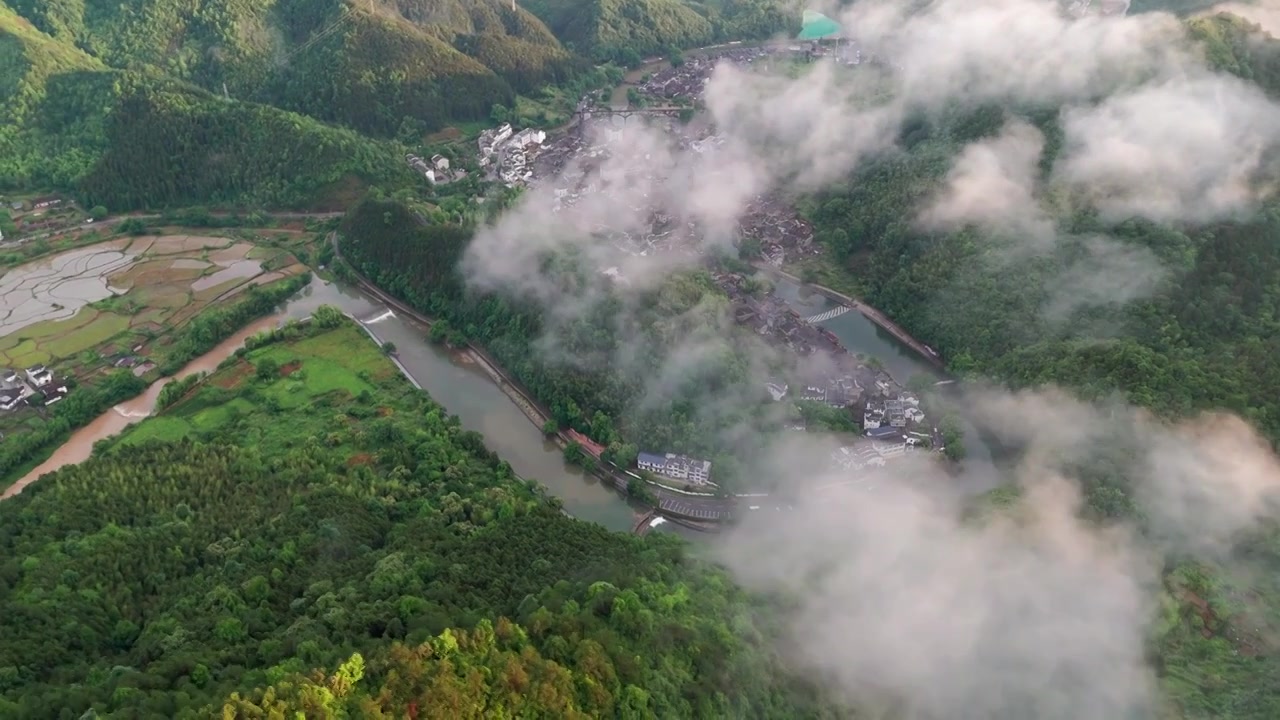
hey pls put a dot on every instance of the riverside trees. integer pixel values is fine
(293, 526)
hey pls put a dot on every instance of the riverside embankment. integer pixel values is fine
(461, 387)
(923, 352)
(694, 507)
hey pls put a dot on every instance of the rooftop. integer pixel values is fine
(816, 26)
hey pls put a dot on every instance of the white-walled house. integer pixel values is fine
(676, 467)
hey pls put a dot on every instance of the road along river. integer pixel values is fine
(463, 389)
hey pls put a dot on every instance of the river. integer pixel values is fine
(466, 391)
(860, 335)
(463, 389)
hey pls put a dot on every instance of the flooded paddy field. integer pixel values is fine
(53, 309)
(116, 303)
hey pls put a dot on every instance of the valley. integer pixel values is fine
(638, 358)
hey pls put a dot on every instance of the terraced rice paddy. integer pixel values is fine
(128, 290)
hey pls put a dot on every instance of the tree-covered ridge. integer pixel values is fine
(379, 71)
(28, 59)
(305, 54)
(304, 504)
(627, 30)
(140, 139)
(495, 670)
(169, 146)
(1235, 45)
(103, 99)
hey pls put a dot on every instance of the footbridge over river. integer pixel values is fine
(583, 115)
(834, 312)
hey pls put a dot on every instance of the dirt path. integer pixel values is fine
(121, 218)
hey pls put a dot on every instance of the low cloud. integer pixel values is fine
(1026, 51)
(1195, 150)
(1264, 13)
(905, 602)
(1100, 272)
(992, 185)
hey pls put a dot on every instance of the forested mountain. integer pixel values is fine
(171, 102)
(1235, 45)
(252, 47)
(306, 504)
(86, 83)
(413, 61)
(140, 138)
(1207, 339)
(169, 146)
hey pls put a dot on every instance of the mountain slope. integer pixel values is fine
(1233, 44)
(315, 56)
(378, 71)
(624, 29)
(170, 146)
(28, 59)
(139, 139)
(627, 30)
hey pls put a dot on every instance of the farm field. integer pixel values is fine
(84, 310)
(302, 372)
(129, 290)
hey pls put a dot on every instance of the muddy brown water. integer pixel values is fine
(463, 389)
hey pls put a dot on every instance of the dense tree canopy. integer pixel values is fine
(265, 526)
(626, 31)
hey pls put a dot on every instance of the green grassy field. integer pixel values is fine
(343, 361)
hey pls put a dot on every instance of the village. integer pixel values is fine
(573, 166)
(889, 415)
(30, 218)
(34, 387)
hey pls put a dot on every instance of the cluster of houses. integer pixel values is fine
(17, 389)
(436, 171)
(771, 318)
(507, 154)
(778, 229)
(890, 416)
(688, 79)
(676, 467)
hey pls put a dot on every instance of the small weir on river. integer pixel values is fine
(467, 391)
(833, 313)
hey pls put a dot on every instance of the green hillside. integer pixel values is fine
(50, 98)
(277, 520)
(144, 138)
(426, 59)
(149, 103)
(1235, 45)
(169, 146)
(627, 30)
(28, 59)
